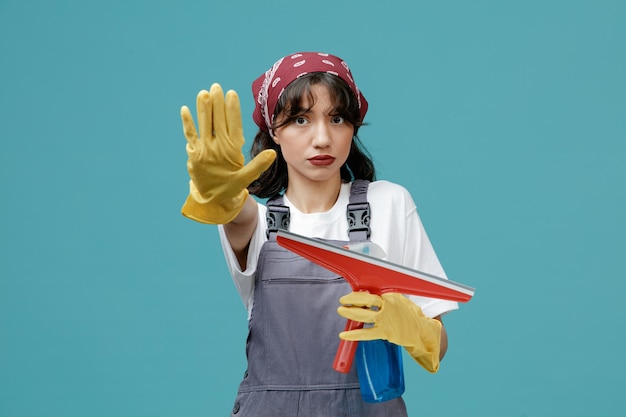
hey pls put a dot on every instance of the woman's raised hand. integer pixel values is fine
(219, 178)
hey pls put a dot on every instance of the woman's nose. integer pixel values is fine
(322, 135)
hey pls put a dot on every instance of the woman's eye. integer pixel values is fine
(337, 120)
(300, 121)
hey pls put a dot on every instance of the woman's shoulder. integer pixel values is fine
(390, 197)
(388, 189)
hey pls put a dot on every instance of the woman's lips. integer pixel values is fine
(322, 160)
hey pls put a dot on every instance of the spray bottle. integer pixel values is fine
(378, 362)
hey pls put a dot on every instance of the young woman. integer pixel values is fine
(320, 182)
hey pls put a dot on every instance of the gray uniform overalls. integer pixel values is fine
(293, 332)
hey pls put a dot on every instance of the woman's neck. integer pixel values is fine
(314, 197)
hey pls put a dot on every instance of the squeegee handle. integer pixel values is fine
(346, 350)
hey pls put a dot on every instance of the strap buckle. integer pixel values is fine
(277, 217)
(358, 215)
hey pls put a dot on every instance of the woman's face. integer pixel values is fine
(316, 144)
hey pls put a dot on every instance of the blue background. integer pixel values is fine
(505, 120)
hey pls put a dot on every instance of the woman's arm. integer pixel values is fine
(443, 346)
(240, 230)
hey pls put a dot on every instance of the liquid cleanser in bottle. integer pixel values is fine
(379, 366)
(378, 362)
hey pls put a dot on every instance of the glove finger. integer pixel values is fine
(254, 168)
(399, 302)
(219, 112)
(364, 315)
(233, 119)
(371, 333)
(203, 107)
(189, 128)
(362, 299)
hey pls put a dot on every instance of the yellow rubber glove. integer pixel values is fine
(219, 179)
(396, 319)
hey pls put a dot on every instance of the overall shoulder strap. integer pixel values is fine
(358, 212)
(277, 216)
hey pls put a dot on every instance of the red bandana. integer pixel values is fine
(268, 87)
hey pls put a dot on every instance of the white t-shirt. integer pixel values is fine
(395, 227)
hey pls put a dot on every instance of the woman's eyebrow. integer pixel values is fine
(303, 110)
(333, 111)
